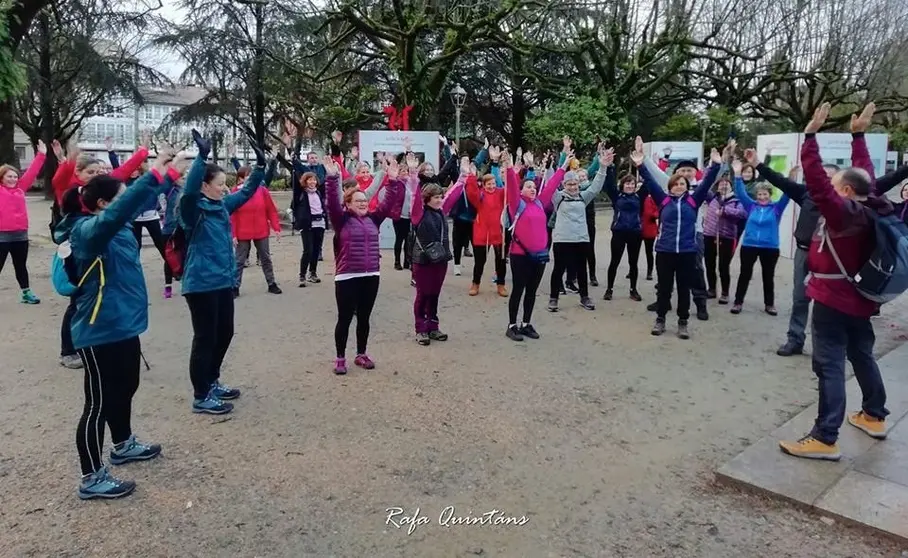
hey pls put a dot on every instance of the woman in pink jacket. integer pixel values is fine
(14, 219)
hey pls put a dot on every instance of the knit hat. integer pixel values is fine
(686, 164)
(571, 176)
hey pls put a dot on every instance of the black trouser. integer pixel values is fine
(674, 269)
(462, 235)
(698, 281)
(212, 331)
(768, 258)
(154, 231)
(507, 243)
(621, 239)
(570, 256)
(311, 239)
(19, 252)
(66, 331)
(590, 253)
(111, 380)
(402, 241)
(480, 254)
(355, 297)
(526, 275)
(721, 249)
(649, 244)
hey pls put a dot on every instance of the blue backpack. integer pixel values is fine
(885, 275)
(65, 278)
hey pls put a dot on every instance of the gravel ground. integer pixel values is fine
(602, 436)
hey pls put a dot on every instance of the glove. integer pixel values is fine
(203, 145)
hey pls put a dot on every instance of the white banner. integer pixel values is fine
(677, 151)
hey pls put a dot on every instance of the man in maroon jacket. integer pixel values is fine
(841, 316)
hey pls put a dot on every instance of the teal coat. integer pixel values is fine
(210, 262)
(123, 309)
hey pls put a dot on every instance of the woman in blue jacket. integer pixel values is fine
(627, 228)
(101, 253)
(676, 246)
(209, 273)
(760, 240)
(173, 189)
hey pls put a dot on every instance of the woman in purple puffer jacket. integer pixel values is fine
(356, 257)
(724, 217)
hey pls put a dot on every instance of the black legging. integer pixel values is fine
(19, 252)
(402, 241)
(620, 240)
(66, 331)
(570, 256)
(723, 253)
(525, 278)
(154, 231)
(590, 252)
(649, 244)
(462, 235)
(480, 254)
(311, 239)
(355, 297)
(212, 331)
(768, 258)
(675, 268)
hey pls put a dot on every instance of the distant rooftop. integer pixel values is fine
(180, 95)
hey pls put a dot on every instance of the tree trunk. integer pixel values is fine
(258, 91)
(7, 133)
(47, 126)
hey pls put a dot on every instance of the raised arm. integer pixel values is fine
(780, 205)
(655, 173)
(452, 196)
(860, 156)
(393, 196)
(417, 208)
(472, 188)
(611, 184)
(192, 190)
(741, 191)
(334, 201)
(890, 180)
(63, 178)
(113, 158)
(551, 186)
(512, 183)
(239, 198)
(703, 187)
(28, 178)
(377, 180)
(655, 190)
(235, 163)
(131, 165)
(797, 192)
(605, 158)
(98, 231)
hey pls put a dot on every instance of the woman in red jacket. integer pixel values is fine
(489, 204)
(250, 226)
(650, 232)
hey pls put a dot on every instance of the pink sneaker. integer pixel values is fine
(340, 366)
(363, 361)
(168, 291)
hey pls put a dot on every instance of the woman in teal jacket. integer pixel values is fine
(760, 241)
(209, 273)
(102, 257)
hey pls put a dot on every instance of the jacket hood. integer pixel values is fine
(64, 228)
(880, 204)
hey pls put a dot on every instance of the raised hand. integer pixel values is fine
(408, 145)
(859, 124)
(58, 149)
(181, 162)
(819, 118)
(453, 149)
(337, 136)
(72, 149)
(412, 161)
(494, 153)
(794, 173)
(330, 166)
(566, 143)
(715, 157)
(528, 159)
(464, 166)
(637, 157)
(354, 153)
(519, 155)
(108, 143)
(231, 149)
(750, 155)
(203, 145)
(638, 144)
(165, 155)
(146, 139)
(485, 144)
(606, 157)
(737, 166)
(505, 160)
(393, 169)
(41, 148)
(569, 157)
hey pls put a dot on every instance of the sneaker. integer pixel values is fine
(412, 282)
(873, 427)
(246, 263)
(423, 339)
(649, 276)
(635, 296)
(789, 349)
(553, 305)
(810, 448)
(363, 361)
(73, 362)
(168, 291)
(587, 303)
(340, 366)
(28, 297)
(736, 308)
(101, 484)
(702, 313)
(682, 330)
(474, 289)
(710, 294)
(562, 292)
(211, 405)
(313, 278)
(658, 327)
(457, 270)
(321, 258)
(133, 450)
(628, 276)
(236, 292)
(771, 310)
(528, 330)
(406, 265)
(723, 299)
(438, 336)
(502, 291)
(513, 333)
(594, 282)
(302, 283)
(607, 295)
(570, 286)
(224, 392)
(467, 253)
(398, 267)
(274, 289)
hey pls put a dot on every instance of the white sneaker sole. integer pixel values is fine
(876, 435)
(822, 456)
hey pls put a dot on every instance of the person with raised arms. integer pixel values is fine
(14, 220)
(724, 216)
(489, 201)
(627, 227)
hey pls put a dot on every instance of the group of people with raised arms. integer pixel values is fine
(510, 200)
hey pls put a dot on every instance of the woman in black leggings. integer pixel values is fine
(627, 226)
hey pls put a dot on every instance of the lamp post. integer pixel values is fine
(458, 97)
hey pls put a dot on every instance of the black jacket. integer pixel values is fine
(302, 213)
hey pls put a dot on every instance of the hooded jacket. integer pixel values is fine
(762, 229)
(678, 215)
(847, 225)
(628, 208)
(210, 261)
(123, 310)
(253, 219)
(13, 208)
(570, 212)
(489, 206)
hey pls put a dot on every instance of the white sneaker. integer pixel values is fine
(456, 270)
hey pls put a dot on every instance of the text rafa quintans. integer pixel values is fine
(399, 518)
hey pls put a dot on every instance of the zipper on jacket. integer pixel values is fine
(678, 233)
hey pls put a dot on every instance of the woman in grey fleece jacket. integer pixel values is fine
(570, 238)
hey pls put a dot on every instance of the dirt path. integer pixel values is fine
(604, 437)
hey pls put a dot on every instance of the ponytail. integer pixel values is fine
(72, 202)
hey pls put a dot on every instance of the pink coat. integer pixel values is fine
(13, 209)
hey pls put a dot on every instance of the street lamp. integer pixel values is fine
(458, 97)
